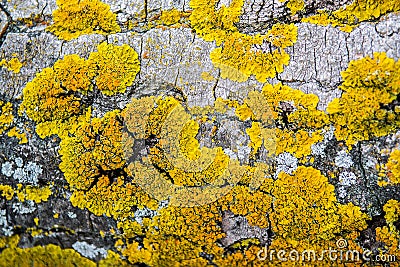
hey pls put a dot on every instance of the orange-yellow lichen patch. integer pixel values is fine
(46, 100)
(94, 166)
(297, 143)
(390, 237)
(19, 134)
(34, 193)
(238, 55)
(306, 214)
(78, 17)
(116, 67)
(177, 235)
(113, 199)
(6, 116)
(238, 58)
(50, 255)
(29, 192)
(390, 234)
(282, 35)
(350, 16)
(159, 114)
(74, 73)
(113, 259)
(13, 64)
(93, 149)
(390, 174)
(176, 167)
(172, 16)
(255, 205)
(392, 211)
(292, 106)
(212, 24)
(294, 5)
(367, 107)
(53, 99)
(189, 145)
(7, 191)
(255, 136)
(305, 208)
(284, 119)
(37, 194)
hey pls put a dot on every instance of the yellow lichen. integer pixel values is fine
(238, 55)
(390, 174)
(207, 76)
(92, 149)
(190, 147)
(170, 17)
(238, 59)
(149, 152)
(186, 168)
(13, 64)
(94, 166)
(21, 136)
(392, 211)
(306, 208)
(75, 18)
(297, 143)
(36, 194)
(7, 191)
(367, 107)
(284, 119)
(50, 255)
(255, 136)
(116, 67)
(177, 235)
(53, 99)
(294, 5)
(352, 15)
(46, 100)
(6, 116)
(390, 234)
(212, 24)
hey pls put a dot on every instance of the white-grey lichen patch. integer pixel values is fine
(19, 162)
(29, 174)
(89, 250)
(347, 178)
(318, 148)
(3, 218)
(243, 152)
(230, 153)
(7, 169)
(163, 204)
(71, 214)
(24, 207)
(343, 160)
(6, 230)
(286, 162)
(342, 192)
(144, 213)
(328, 135)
